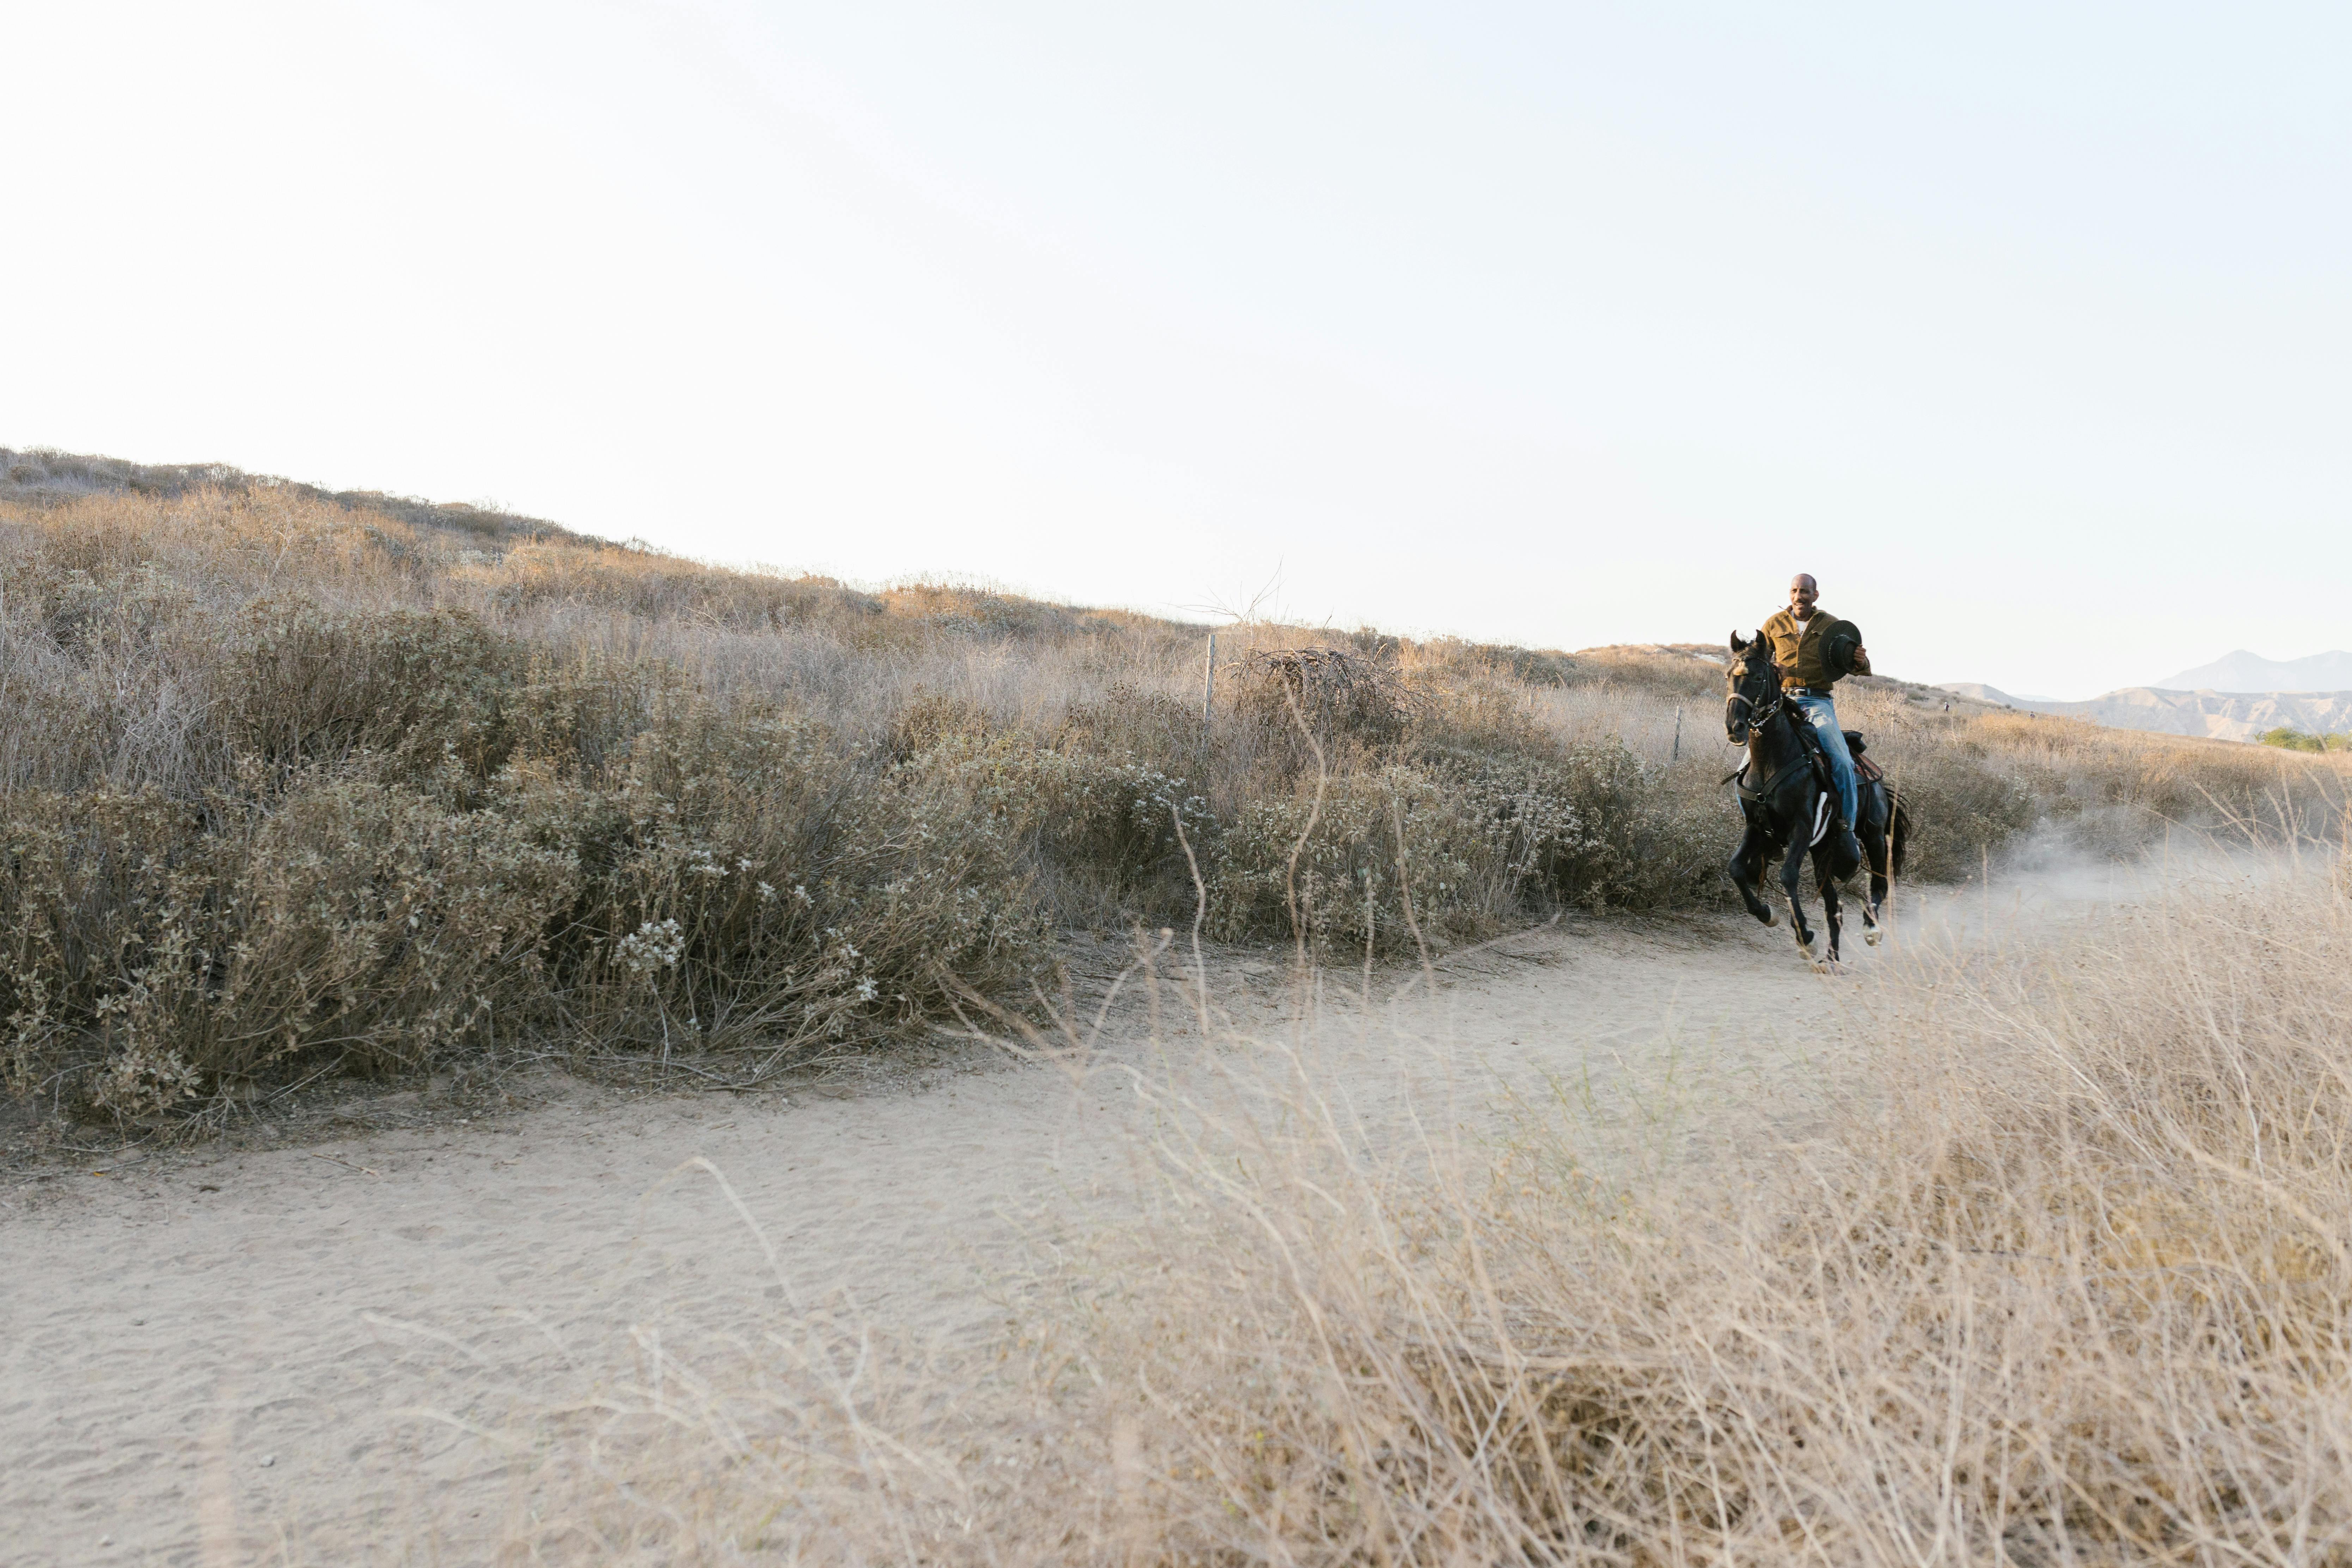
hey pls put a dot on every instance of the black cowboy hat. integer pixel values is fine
(1843, 644)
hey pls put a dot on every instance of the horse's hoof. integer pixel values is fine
(1872, 936)
(1771, 917)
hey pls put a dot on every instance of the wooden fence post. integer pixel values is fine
(1209, 683)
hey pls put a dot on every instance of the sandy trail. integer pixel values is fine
(285, 1355)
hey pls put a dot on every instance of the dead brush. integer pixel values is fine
(933, 719)
(162, 957)
(2069, 1285)
(1347, 700)
(751, 900)
(971, 769)
(1130, 721)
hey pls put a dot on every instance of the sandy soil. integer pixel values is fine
(291, 1354)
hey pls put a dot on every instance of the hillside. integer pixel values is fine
(2215, 715)
(2250, 673)
(41, 477)
(302, 781)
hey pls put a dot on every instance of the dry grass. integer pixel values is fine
(298, 782)
(2081, 1295)
(301, 783)
(2070, 1285)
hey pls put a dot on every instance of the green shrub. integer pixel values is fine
(2292, 740)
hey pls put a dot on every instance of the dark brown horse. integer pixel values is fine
(1789, 810)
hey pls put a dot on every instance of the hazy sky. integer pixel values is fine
(2027, 328)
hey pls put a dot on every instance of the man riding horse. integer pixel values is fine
(1815, 650)
(1799, 767)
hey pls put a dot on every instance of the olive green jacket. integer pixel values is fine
(1804, 655)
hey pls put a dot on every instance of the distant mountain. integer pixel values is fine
(1977, 691)
(2219, 715)
(2243, 671)
(1983, 693)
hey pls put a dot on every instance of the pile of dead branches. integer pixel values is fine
(1339, 695)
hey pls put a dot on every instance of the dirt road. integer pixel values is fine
(293, 1355)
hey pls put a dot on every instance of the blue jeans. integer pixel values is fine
(1822, 711)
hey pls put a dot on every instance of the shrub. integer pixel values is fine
(930, 720)
(2292, 740)
(741, 819)
(1135, 725)
(1108, 823)
(1962, 809)
(1344, 702)
(745, 888)
(1448, 845)
(299, 686)
(358, 922)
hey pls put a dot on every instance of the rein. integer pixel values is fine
(1755, 720)
(1759, 791)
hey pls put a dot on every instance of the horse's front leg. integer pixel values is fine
(1747, 871)
(1832, 911)
(1792, 873)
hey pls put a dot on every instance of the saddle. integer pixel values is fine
(1870, 771)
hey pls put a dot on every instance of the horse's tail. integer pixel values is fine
(1898, 836)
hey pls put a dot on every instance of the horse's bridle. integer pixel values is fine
(1757, 718)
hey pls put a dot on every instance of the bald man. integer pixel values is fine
(1815, 650)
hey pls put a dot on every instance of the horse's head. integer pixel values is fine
(1752, 687)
